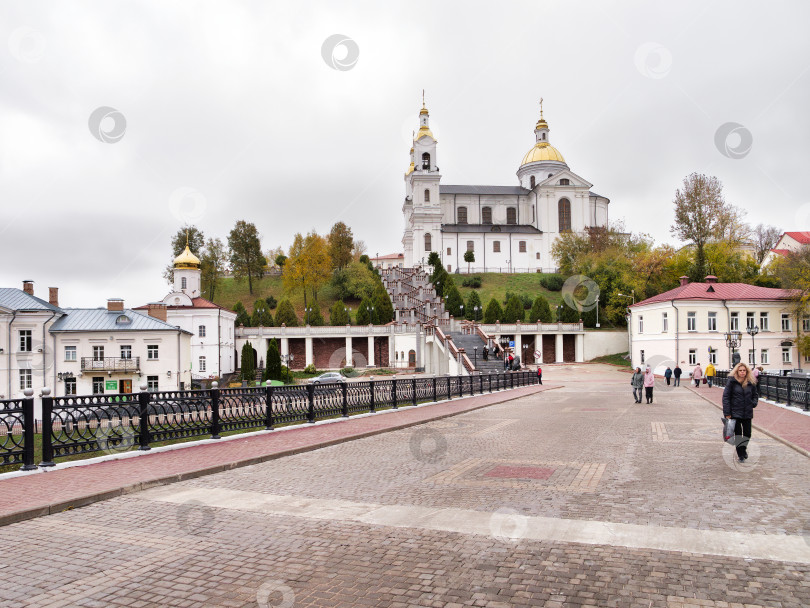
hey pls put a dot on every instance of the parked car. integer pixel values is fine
(328, 378)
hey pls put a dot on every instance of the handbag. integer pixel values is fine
(704, 380)
(728, 430)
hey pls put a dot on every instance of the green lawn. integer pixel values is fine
(494, 284)
(617, 359)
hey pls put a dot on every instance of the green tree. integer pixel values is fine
(212, 267)
(434, 260)
(246, 252)
(469, 257)
(315, 317)
(382, 305)
(341, 244)
(339, 314)
(272, 370)
(567, 314)
(494, 312)
(196, 243)
(242, 316)
(453, 302)
(285, 314)
(261, 314)
(366, 313)
(513, 311)
(540, 311)
(280, 260)
(473, 302)
(271, 302)
(765, 238)
(248, 367)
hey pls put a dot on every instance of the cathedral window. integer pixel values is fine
(537, 255)
(427, 195)
(496, 246)
(427, 242)
(550, 174)
(564, 182)
(522, 246)
(511, 215)
(543, 137)
(470, 246)
(426, 161)
(183, 283)
(532, 182)
(564, 213)
(449, 251)
(462, 215)
(486, 215)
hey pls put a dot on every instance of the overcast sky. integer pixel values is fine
(120, 120)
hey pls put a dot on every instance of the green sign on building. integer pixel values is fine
(111, 385)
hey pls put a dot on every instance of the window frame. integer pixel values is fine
(26, 341)
(71, 348)
(496, 246)
(692, 356)
(70, 386)
(786, 321)
(26, 377)
(712, 321)
(764, 322)
(428, 241)
(98, 385)
(152, 384)
(664, 323)
(564, 215)
(763, 356)
(641, 324)
(511, 216)
(750, 319)
(126, 348)
(521, 246)
(98, 352)
(786, 358)
(152, 352)
(471, 246)
(202, 363)
(734, 321)
(691, 321)
(201, 331)
(486, 215)
(461, 215)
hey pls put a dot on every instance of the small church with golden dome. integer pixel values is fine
(508, 228)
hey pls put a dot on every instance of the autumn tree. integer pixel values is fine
(246, 252)
(794, 272)
(308, 266)
(212, 266)
(341, 245)
(765, 238)
(272, 257)
(358, 249)
(196, 243)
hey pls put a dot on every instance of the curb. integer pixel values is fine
(59, 507)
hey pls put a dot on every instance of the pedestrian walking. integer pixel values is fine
(540, 374)
(637, 381)
(649, 383)
(697, 375)
(710, 373)
(756, 371)
(739, 400)
(676, 373)
(668, 374)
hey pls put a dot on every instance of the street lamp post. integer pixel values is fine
(597, 311)
(753, 331)
(287, 359)
(475, 355)
(733, 339)
(476, 310)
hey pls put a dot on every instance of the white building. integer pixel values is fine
(212, 327)
(509, 228)
(789, 241)
(687, 325)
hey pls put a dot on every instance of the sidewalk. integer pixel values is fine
(791, 428)
(56, 490)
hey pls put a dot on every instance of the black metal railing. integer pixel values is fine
(111, 364)
(113, 423)
(790, 390)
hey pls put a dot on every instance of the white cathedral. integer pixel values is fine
(509, 228)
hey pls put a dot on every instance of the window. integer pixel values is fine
(70, 386)
(712, 321)
(470, 245)
(183, 283)
(428, 246)
(642, 356)
(151, 383)
(785, 354)
(25, 341)
(752, 356)
(202, 364)
(713, 356)
(511, 215)
(496, 246)
(537, 255)
(201, 331)
(735, 321)
(692, 356)
(564, 182)
(641, 324)
(522, 246)
(70, 353)
(449, 251)
(763, 356)
(126, 351)
(461, 212)
(25, 379)
(98, 353)
(763, 321)
(806, 324)
(664, 323)
(427, 195)
(152, 352)
(749, 319)
(426, 161)
(550, 174)
(564, 214)
(486, 215)
(531, 182)
(785, 321)
(98, 385)
(691, 321)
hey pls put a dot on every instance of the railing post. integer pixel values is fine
(215, 424)
(269, 421)
(311, 403)
(434, 389)
(788, 390)
(344, 408)
(511, 381)
(28, 430)
(47, 430)
(143, 418)
(372, 407)
(413, 383)
(489, 379)
(806, 394)
(449, 388)
(394, 393)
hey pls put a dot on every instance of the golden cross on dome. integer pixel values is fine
(541, 108)
(186, 237)
(423, 98)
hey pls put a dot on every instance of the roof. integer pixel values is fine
(389, 256)
(780, 251)
(101, 319)
(513, 190)
(493, 228)
(720, 291)
(16, 299)
(800, 237)
(195, 303)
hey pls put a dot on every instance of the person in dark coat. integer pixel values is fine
(637, 382)
(668, 375)
(676, 373)
(739, 400)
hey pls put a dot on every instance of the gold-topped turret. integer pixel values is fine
(186, 259)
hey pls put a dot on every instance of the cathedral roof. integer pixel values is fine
(496, 228)
(542, 151)
(451, 189)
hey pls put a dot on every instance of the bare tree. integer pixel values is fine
(765, 239)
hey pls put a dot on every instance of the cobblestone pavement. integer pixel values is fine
(570, 497)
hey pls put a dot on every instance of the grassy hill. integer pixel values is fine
(495, 285)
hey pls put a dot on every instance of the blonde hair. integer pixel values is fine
(749, 377)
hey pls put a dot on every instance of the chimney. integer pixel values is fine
(684, 280)
(53, 296)
(28, 287)
(711, 279)
(115, 305)
(157, 310)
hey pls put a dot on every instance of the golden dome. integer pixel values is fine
(424, 110)
(541, 124)
(542, 151)
(186, 260)
(423, 130)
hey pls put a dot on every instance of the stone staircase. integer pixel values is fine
(468, 343)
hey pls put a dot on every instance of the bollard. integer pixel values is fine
(344, 411)
(413, 384)
(372, 407)
(394, 393)
(47, 430)
(28, 430)
(311, 404)
(215, 425)
(143, 418)
(269, 421)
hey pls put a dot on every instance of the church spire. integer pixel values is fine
(541, 128)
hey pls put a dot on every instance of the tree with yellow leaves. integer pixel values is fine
(308, 265)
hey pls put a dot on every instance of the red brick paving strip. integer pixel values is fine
(789, 427)
(32, 496)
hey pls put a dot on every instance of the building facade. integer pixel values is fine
(508, 228)
(789, 241)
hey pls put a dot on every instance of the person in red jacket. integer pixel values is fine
(540, 374)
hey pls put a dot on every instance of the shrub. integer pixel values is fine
(310, 369)
(513, 311)
(474, 282)
(347, 371)
(271, 302)
(541, 311)
(286, 314)
(552, 282)
(526, 301)
(494, 312)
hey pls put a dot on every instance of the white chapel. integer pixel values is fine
(509, 228)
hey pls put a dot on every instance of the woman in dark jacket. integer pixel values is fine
(739, 400)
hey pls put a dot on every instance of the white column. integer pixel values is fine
(579, 342)
(371, 351)
(285, 346)
(519, 345)
(390, 348)
(308, 350)
(558, 348)
(538, 347)
(349, 351)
